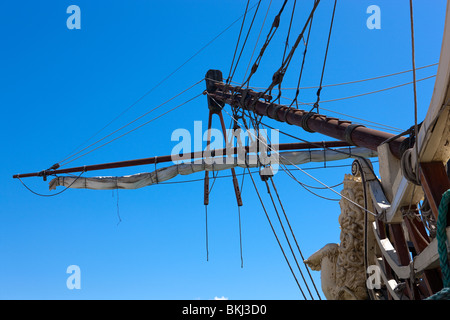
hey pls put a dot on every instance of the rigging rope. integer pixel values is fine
(297, 92)
(287, 44)
(53, 194)
(350, 82)
(295, 239)
(360, 95)
(372, 92)
(242, 174)
(378, 125)
(281, 223)
(374, 124)
(206, 233)
(279, 219)
(230, 76)
(240, 237)
(162, 81)
(275, 234)
(257, 41)
(237, 42)
(138, 127)
(322, 146)
(239, 216)
(305, 186)
(413, 58)
(441, 236)
(272, 31)
(117, 206)
(286, 236)
(309, 175)
(316, 104)
(279, 74)
(131, 122)
(289, 30)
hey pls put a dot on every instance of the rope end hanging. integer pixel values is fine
(240, 238)
(206, 232)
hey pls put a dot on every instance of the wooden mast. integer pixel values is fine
(343, 130)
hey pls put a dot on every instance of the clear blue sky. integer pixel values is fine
(60, 86)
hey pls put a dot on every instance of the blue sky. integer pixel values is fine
(58, 87)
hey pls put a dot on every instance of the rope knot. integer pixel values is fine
(254, 68)
(276, 22)
(278, 76)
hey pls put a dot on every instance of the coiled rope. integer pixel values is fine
(441, 236)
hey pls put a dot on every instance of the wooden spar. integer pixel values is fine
(215, 108)
(313, 122)
(187, 156)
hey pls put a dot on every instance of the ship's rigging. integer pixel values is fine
(248, 108)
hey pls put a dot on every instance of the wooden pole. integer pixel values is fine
(170, 158)
(333, 127)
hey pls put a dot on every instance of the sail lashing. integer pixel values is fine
(141, 180)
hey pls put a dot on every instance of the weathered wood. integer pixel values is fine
(380, 202)
(421, 241)
(213, 77)
(401, 247)
(435, 182)
(428, 259)
(389, 169)
(332, 127)
(390, 283)
(405, 193)
(417, 234)
(391, 256)
(233, 172)
(380, 229)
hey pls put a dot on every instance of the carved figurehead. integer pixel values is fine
(342, 265)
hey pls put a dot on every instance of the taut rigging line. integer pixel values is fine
(351, 82)
(316, 104)
(285, 234)
(275, 234)
(293, 236)
(66, 160)
(158, 84)
(231, 73)
(309, 175)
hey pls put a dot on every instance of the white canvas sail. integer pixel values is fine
(140, 180)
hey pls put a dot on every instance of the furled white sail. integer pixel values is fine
(140, 180)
